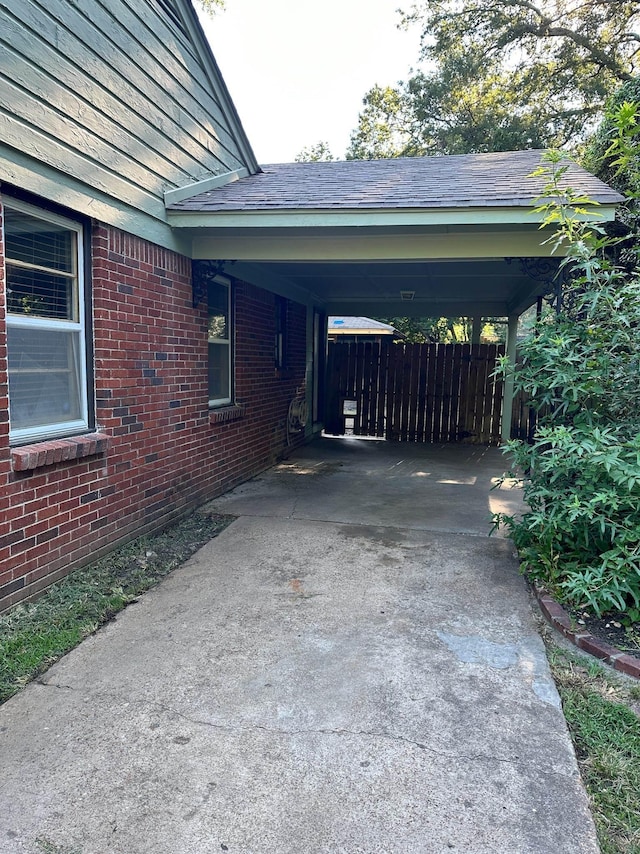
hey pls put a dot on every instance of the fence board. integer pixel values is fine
(422, 394)
(414, 394)
(430, 351)
(359, 368)
(394, 393)
(417, 392)
(381, 403)
(454, 415)
(445, 431)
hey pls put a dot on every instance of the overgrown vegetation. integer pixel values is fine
(35, 634)
(622, 176)
(602, 714)
(580, 367)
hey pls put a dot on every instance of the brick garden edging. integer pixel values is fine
(584, 640)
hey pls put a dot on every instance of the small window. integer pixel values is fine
(281, 332)
(219, 327)
(46, 344)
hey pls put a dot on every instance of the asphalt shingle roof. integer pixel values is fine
(367, 324)
(466, 180)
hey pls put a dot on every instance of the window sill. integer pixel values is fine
(52, 451)
(227, 413)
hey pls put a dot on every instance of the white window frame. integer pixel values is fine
(17, 321)
(228, 342)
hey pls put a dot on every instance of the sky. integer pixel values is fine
(297, 70)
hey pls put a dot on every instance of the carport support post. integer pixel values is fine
(507, 395)
(476, 329)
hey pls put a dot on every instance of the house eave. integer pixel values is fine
(417, 243)
(303, 218)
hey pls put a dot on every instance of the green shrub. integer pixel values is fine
(581, 368)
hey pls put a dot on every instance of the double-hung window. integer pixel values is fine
(46, 344)
(220, 356)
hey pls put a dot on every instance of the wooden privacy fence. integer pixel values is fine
(523, 418)
(414, 392)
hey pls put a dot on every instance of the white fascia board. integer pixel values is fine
(363, 218)
(171, 197)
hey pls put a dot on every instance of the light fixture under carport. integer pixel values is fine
(407, 296)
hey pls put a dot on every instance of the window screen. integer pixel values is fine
(45, 324)
(219, 333)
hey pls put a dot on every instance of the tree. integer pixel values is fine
(386, 127)
(430, 330)
(446, 113)
(210, 6)
(601, 157)
(503, 74)
(444, 330)
(315, 153)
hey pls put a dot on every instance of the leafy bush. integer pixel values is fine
(581, 368)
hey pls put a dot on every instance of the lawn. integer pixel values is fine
(602, 711)
(35, 634)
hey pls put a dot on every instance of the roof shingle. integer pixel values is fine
(501, 179)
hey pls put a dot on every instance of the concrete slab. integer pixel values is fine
(306, 686)
(422, 487)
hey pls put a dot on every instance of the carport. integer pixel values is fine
(352, 665)
(428, 236)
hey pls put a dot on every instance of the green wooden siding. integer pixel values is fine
(114, 95)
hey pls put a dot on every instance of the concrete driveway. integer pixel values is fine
(352, 666)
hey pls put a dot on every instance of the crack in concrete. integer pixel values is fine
(479, 757)
(421, 530)
(53, 685)
(292, 514)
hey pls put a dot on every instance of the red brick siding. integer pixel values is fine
(164, 457)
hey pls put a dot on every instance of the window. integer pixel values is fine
(45, 324)
(219, 308)
(280, 353)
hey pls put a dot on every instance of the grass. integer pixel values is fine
(35, 634)
(603, 715)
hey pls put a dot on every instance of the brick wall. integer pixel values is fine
(165, 453)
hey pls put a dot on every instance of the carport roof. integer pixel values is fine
(456, 232)
(501, 179)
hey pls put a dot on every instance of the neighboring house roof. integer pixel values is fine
(348, 325)
(500, 179)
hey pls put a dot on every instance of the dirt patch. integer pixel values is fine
(35, 634)
(613, 629)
